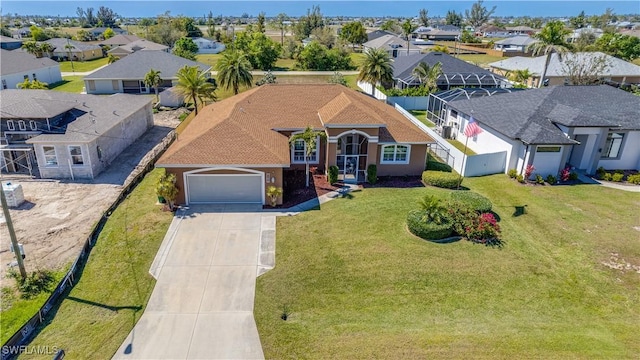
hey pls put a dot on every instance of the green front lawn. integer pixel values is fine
(422, 116)
(481, 60)
(209, 59)
(72, 84)
(100, 311)
(83, 66)
(357, 285)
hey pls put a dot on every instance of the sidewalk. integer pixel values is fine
(82, 73)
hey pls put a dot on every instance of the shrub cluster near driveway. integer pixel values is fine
(357, 285)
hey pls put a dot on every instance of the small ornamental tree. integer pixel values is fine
(309, 136)
(166, 187)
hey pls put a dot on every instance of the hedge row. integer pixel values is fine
(447, 180)
(476, 201)
(427, 230)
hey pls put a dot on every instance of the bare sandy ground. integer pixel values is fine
(58, 215)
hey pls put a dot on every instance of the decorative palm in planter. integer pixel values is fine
(167, 189)
(273, 193)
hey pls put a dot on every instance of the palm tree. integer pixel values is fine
(68, 47)
(112, 58)
(407, 29)
(521, 76)
(433, 209)
(551, 39)
(31, 47)
(309, 136)
(46, 48)
(194, 85)
(234, 70)
(153, 79)
(428, 75)
(376, 68)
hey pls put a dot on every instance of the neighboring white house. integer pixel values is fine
(575, 35)
(72, 135)
(518, 43)
(127, 74)
(16, 66)
(395, 46)
(171, 98)
(206, 46)
(581, 126)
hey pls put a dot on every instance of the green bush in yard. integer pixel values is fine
(333, 174)
(474, 200)
(434, 164)
(447, 180)
(634, 179)
(425, 229)
(617, 177)
(607, 176)
(551, 180)
(512, 173)
(372, 174)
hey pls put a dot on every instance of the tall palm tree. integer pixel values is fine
(234, 70)
(68, 47)
(407, 29)
(194, 85)
(31, 47)
(521, 76)
(153, 79)
(46, 48)
(428, 75)
(551, 39)
(310, 137)
(376, 68)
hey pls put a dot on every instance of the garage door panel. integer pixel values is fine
(224, 188)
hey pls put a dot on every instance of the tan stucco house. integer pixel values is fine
(236, 148)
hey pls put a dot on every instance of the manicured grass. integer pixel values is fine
(356, 58)
(481, 60)
(285, 64)
(72, 84)
(357, 285)
(422, 116)
(83, 66)
(460, 146)
(209, 59)
(115, 286)
(636, 61)
(17, 311)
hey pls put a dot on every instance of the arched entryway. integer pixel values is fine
(351, 157)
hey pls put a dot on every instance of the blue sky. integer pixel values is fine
(328, 8)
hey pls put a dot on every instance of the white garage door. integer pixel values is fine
(224, 188)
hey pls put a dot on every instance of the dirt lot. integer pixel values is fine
(58, 215)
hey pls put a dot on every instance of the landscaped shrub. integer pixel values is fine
(372, 174)
(539, 179)
(427, 230)
(461, 216)
(551, 180)
(520, 179)
(512, 173)
(600, 172)
(634, 179)
(333, 174)
(607, 177)
(564, 174)
(484, 230)
(528, 171)
(573, 176)
(438, 166)
(474, 200)
(447, 180)
(617, 177)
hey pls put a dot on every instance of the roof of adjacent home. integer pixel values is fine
(532, 115)
(14, 62)
(136, 65)
(377, 33)
(520, 40)
(141, 44)
(558, 65)
(243, 129)
(6, 39)
(120, 39)
(97, 114)
(385, 42)
(60, 45)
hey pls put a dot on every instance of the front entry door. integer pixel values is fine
(351, 169)
(578, 151)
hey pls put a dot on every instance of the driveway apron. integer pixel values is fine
(202, 304)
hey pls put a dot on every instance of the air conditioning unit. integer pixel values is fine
(446, 132)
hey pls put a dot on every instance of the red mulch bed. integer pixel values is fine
(396, 182)
(317, 187)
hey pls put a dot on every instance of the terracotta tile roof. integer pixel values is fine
(242, 129)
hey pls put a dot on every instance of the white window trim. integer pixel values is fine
(11, 125)
(55, 153)
(71, 155)
(395, 152)
(22, 125)
(33, 125)
(312, 160)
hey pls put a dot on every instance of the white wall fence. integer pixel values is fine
(474, 165)
(366, 87)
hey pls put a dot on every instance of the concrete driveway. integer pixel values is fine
(202, 304)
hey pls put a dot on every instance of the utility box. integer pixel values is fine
(13, 193)
(446, 132)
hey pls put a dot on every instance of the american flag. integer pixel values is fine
(472, 129)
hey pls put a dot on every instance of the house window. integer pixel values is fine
(33, 125)
(34, 76)
(22, 125)
(92, 85)
(115, 84)
(11, 125)
(613, 146)
(4, 84)
(298, 152)
(395, 154)
(542, 149)
(76, 155)
(50, 158)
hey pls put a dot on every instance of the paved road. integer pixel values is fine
(202, 304)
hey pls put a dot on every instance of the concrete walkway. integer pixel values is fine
(202, 304)
(82, 73)
(619, 186)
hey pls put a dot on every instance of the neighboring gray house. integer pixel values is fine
(68, 135)
(519, 43)
(135, 46)
(16, 66)
(127, 74)
(618, 70)
(394, 45)
(583, 126)
(378, 33)
(455, 72)
(575, 35)
(79, 51)
(119, 40)
(206, 46)
(8, 43)
(97, 32)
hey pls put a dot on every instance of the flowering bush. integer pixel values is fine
(564, 174)
(528, 171)
(483, 229)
